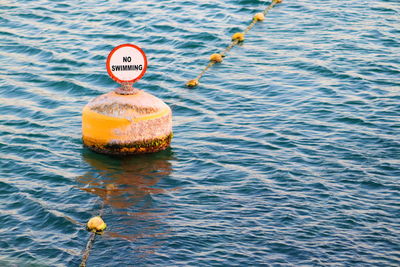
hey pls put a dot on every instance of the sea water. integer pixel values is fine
(286, 154)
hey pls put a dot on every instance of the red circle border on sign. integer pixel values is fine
(109, 58)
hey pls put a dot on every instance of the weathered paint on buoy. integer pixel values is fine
(127, 124)
(122, 124)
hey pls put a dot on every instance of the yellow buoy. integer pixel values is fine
(192, 83)
(96, 224)
(126, 121)
(216, 58)
(259, 17)
(238, 36)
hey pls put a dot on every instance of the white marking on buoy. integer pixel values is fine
(126, 63)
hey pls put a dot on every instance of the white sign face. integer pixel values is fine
(126, 63)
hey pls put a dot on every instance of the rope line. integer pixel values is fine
(94, 231)
(236, 39)
(89, 246)
(233, 43)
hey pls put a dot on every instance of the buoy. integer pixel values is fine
(238, 36)
(216, 58)
(128, 120)
(192, 83)
(259, 17)
(96, 224)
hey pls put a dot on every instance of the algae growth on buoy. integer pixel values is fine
(127, 120)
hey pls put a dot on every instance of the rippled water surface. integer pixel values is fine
(287, 154)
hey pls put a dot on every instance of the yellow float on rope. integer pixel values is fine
(96, 224)
(216, 58)
(192, 83)
(259, 17)
(238, 36)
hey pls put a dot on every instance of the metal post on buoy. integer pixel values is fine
(126, 120)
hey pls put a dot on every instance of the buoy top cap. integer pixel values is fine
(126, 63)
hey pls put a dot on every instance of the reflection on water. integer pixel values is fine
(127, 187)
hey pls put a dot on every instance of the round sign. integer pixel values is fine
(126, 63)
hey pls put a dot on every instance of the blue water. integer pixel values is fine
(287, 154)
